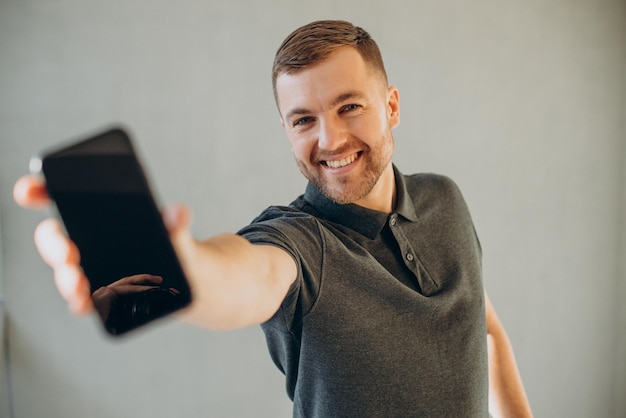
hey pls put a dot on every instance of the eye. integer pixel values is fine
(302, 121)
(349, 107)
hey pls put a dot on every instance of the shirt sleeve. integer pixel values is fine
(299, 235)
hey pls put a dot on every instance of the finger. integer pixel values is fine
(68, 282)
(112, 292)
(177, 220)
(81, 307)
(126, 289)
(54, 246)
(30, 192)
(74, 288)
(138, 279)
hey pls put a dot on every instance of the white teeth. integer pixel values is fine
(341, 163)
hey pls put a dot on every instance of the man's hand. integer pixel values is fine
(55, 247)
(506, 390)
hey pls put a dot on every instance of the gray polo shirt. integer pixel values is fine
(386, 317)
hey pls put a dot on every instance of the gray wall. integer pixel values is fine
(5, 400)
(522, 102)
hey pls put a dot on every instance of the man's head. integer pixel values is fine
(338, 112)
(313, 43)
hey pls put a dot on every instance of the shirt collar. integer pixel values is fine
(364, 221)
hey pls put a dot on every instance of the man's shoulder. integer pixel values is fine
(288, 227)
(276, 212)
(291, 213)
(432, 179)
(428, 184)
(292, 220)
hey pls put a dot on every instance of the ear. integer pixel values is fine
(393, 107)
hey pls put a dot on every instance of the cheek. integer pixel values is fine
(386, 119)
(299, 147)
(371, 125)
(291, 138)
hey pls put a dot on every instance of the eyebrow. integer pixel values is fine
(352, 94)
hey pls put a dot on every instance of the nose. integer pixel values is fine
(332, 134)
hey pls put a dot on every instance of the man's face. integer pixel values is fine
(338, 116)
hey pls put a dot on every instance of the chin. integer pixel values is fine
(345, 195)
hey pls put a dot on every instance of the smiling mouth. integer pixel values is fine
(341, 163)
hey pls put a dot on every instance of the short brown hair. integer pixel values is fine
(312, 43)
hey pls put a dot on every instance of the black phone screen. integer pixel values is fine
(103, 198)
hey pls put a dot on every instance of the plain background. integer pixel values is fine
(522, 103)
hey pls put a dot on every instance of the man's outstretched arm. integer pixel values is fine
(234, 283)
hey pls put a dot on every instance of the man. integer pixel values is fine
(368, 287)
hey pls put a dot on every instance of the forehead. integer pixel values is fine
(343, 70)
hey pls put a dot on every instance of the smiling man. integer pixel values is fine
(368, 286)
(338, 116)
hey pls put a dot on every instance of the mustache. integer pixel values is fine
(352, 148)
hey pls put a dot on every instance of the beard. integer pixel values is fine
(353, 186)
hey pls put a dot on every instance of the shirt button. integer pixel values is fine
(409, 256)
(393, 221)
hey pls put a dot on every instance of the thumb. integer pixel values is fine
(177, 220)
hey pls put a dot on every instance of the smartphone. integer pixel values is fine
(102, 195)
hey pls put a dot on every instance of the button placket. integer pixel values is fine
(411, 259)
(403, 243)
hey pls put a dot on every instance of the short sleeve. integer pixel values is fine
(298, 234)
